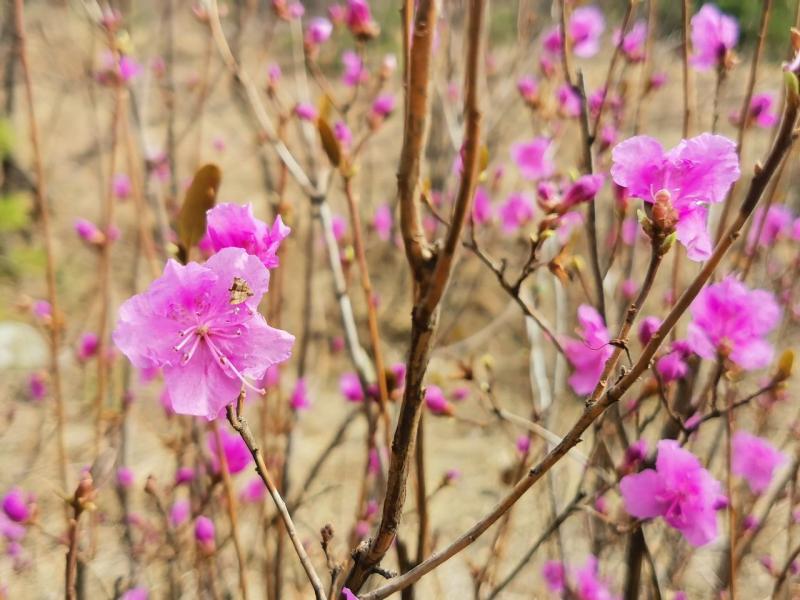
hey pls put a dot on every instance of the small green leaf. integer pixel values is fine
(792, 85)
(14, 212)
(200, 197)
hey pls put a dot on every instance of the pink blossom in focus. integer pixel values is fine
(695, 173)
(714, 34)
(350, 387)
(731, 319)
(589, 354)
(122, 186)
(534, 158)
(569, 103)
(236, 453)
(516, 211)
(755, 459)
(234, 226)
(206, 346)
(680, 490)
(382, 222)
(300, 399)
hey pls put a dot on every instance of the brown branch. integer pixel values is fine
(593, 410)
(43, 210)
(239, 423)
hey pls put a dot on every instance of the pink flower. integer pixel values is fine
(234, 226)
(128, 68)
(88, 346)
(15, 505)
(481, 207)
(383, 106)
(585, 27)
(569, 103)
(274, 74)
(184, 475)
(761, 110)
(588, 355)
(436, 402)
(236, 453)
(658, 80)
(632, 44)
(756, 460)
(122, 186)
(350, 387)
(125, 477)
(37, 386)
(254, 492)
(318, 32)
(348, 595)
(137, 593)
(777, 224)
(528, 88)
(551, 41)
(695, 173)
(300, 399)
(714, 34)
(342, 133)
(523, 444)
(672, 366)
(207, 343)
(730, 319)
(88, 232)
(204, 532)
(584, 189)
(354, 71)
(516, 211)
(680, 490)
(647, 328)
(42, 310)
(305, 111)
(382, 222)
(339, 226)
(567, 223)
(534, 158)
(359, 19)
(554, 576)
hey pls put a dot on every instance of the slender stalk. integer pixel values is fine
(230, 498)
(729, 489)
(239, 423)
(43, 210)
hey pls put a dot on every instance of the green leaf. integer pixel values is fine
(200, 197)
(14, 212)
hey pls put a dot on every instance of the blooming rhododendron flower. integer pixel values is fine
(695, 173)
(207, 342)
(678, 489)
(729, 318)
(234, 226)
(588, 356)
(714, 34)
(236, 453)
(534, 158)
(755, 459)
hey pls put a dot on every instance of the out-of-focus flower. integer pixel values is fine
(350, 387)
(714, 34)
(235, 450)
(305, 111)
(777, 224)
(184, 475)
(588, 355)
(436, 401)
(569, 103)
(254, 492)
(523, 444)
(695, 173)
(15, 505)
(383, 106)
(300, 398)
(672, 366)
(234, 226)
(534, 159)
(382, 222)
(37, 386)
(632, 44)
(516, 211)
(122, 186)
(528, 88)
(584, 189)
(204, 533)
(200, 324)
(680, 490)
(125, 477)
(761, 111)
(359, 20)
(554, 576)
(481, 206)
(318, 31)
(137, 593)
(342, 133)
(89, 232)
(88, 345)
(647, 328)
(732, 320)
(354, 71)
(755, 459)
